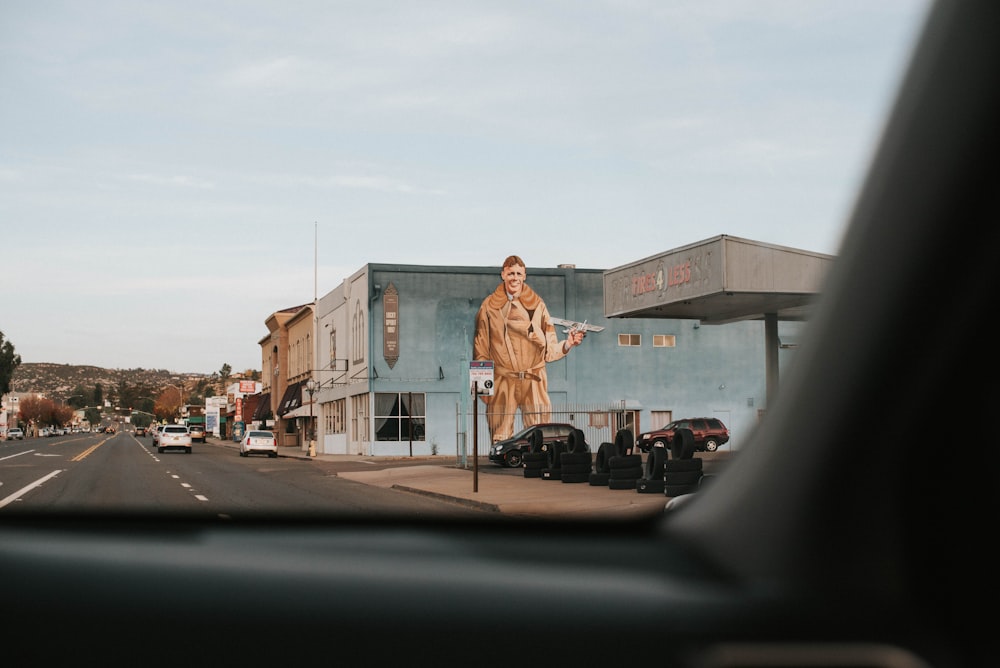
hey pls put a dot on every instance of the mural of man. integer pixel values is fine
(514, 330)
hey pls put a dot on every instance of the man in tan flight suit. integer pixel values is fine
(513, 329)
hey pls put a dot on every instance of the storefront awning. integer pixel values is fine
(263, 407)
(301, 411)
(292, 398)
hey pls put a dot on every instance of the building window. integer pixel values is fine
(399, 416)
(664, 341)
(336, 416)
(359, 418)
(630, 339)
(358, 345)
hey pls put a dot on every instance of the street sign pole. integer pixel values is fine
(475, 438)
(481, 380)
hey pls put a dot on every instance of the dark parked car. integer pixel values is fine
(510, 452)
(709, 434)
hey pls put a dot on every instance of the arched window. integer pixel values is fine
(358, 345)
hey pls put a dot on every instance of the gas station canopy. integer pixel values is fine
(721, 280)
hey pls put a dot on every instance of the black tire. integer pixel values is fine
(575, 477)
(272, 455)
(678, 465)
(646, 486)
(576, 459)
(537, 441)
(551, 474)
(654, 464)
(187, 451)
(711, 444)
(513, 458)
(632, 473)
(625, 441)
(682, 444)
(532, 472)
(535, 460)
(624, 462)
(683, 477)
(599, 478)
(605, 452)
(577, 442)
(677, 490)
(160, 450)
(626, 483)
(575, 468)
(555, 454)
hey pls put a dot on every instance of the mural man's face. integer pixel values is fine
(513, 279)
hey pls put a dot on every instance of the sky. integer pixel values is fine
(172, 173)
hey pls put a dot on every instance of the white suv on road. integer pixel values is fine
(259, 441)
(174, 437)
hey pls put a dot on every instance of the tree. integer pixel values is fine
(44, 412)
(224, 373)
(80, 397)
(9, 361)
(92, 415)
(33, 408)
(169, 403)
(98, 395)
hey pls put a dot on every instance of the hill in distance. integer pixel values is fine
(60, 381)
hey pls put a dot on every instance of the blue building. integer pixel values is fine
(389, 353)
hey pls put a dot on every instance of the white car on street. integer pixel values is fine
(258, 441)
(174, 437)
(15, 434)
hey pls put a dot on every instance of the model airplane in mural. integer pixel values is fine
(574, 326)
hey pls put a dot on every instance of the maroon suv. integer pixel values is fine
(709, 434)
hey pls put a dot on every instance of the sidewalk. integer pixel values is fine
(512, 494)
(499, 491)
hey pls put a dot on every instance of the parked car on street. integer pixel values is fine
(174, 437)
(197, 432)
(15, 434)
(709, 434)
(260, 442)
(510, 452)
(155, 431)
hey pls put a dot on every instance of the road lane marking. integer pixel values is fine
(15, 455)
(24, 490)
(86, 452)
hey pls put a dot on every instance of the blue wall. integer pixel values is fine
(437, 308)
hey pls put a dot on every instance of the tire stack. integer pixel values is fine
(654, 473)
(536, 458)
(602, 471)
(624, 468)
(682, 473)
(553, 456)
(576, 462)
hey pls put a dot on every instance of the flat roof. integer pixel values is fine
(719, 280)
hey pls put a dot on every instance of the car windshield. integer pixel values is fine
(494, 209)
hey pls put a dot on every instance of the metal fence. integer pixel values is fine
(598, 422)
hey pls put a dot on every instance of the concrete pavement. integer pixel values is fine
(494, 488)
(502, 490)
